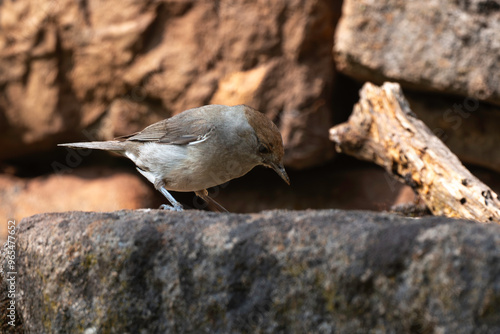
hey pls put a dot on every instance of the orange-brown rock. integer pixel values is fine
(66, 66)
(84, 189)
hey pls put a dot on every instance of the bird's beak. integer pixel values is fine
(278, 168)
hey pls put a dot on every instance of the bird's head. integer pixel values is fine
(269, 148)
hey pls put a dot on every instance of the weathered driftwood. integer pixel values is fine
(384, 130)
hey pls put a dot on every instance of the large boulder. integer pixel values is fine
(67, 66)
(274, 272)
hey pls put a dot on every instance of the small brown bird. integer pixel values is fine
(200, 148)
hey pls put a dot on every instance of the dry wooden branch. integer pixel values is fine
(383, 129)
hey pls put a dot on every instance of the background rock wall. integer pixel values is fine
(92, 70)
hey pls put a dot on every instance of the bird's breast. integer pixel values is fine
(194, 167)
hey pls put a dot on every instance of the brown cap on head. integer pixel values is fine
(270, 139)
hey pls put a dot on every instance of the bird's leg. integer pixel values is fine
(212, 204)
(176, 206)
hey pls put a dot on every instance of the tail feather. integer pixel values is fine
(112, 145)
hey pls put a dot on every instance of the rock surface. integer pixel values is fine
(272, 272)
(445, 46)
(73, 66)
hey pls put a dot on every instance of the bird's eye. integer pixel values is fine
(263, 149)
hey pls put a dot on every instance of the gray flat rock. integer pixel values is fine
(151, 271)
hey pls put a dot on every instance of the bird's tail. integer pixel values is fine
(112, 145)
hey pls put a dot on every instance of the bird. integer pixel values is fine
(200, 148)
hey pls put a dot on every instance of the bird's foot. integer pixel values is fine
(176, 206)
(171, 208)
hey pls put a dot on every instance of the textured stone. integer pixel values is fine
(444, 46)
(273, 272)
(72, 66)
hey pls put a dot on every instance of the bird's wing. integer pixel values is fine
(175, 130)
